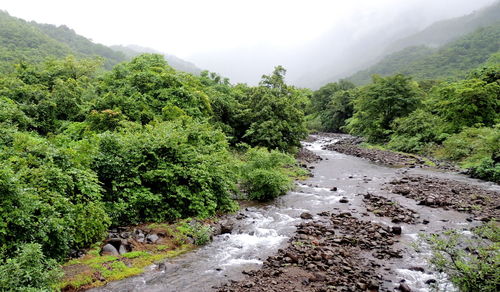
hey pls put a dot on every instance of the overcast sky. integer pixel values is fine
(193, 29)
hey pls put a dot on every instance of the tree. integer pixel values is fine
(380, 103)
(272, 114)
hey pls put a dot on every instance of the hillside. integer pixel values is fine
(393, 55)
(443, 32)
(133, 50)
(450, 62)
(20, 40)
(80, 45)
(34, 42)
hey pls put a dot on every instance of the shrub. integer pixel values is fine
(267, 174)
(416, 132)
(473, 264)
(165, 171)
(29, 270)
(199, 232)
(477, 149)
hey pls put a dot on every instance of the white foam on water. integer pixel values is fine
(237, 262)
(416, 280)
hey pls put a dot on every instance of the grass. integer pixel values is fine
(94, 270)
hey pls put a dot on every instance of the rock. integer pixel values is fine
(306, 216)
(425, 221)
(109, 249)
(226, 226)
(396, 230)
(240, 216)
(344, 200)
(152, 238)
(249, 284)
(430, 281)
(122, 249)
(334, 189)
(403, 287)
(417, 269)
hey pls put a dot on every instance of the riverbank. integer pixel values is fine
(287, 243)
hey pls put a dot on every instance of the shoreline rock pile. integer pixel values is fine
(336, 253)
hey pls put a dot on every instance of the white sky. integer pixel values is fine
(188, 27)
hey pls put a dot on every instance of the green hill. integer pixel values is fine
(21, 40)
(445, 31)
(450, 62)
(81, 45)
(34, 42)
(133, 50)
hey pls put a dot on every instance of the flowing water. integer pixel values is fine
(263, 229)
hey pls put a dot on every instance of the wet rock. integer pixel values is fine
(396, 230)
(249, 285)
(306, 216)
(444, 193)
(430, 281)
(226, 226)
(404, 287)
(109, 249)
(417, 269)
(240, 216)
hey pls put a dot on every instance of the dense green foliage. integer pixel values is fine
(29, 271)
(471, 262)
(450, 62)
(456, 121)
(267, 174)
(32, 42)
(380, 103)
(83, 150)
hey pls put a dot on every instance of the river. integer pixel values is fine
(261, 229)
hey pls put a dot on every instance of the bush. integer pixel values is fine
(416, 132)
(165, 171)
(199, 232)
(473, 264)
(29, 270)
(267, 174)
(477, 149)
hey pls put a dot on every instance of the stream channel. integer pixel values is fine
(261, 229)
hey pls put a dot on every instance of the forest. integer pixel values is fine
(92, 139)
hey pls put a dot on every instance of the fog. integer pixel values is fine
(315, 40)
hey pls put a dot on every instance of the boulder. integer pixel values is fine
(109, 249)
(306, 216)
(152, 238)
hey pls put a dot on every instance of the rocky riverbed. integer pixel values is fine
(350, 227)
(338, 252)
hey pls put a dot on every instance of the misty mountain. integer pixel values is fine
(133, 50)
(34, 42)
(442, 32)
(80, 45)
(389, 50)
(449, 62)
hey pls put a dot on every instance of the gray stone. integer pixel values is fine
(306, 216)
(109, 249)
(122, 249)
(152, 238)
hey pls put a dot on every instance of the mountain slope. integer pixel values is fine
(443, 32)
(33, 42)
(81, 45)
(133, 50)
(450, 62)
(20, 40)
